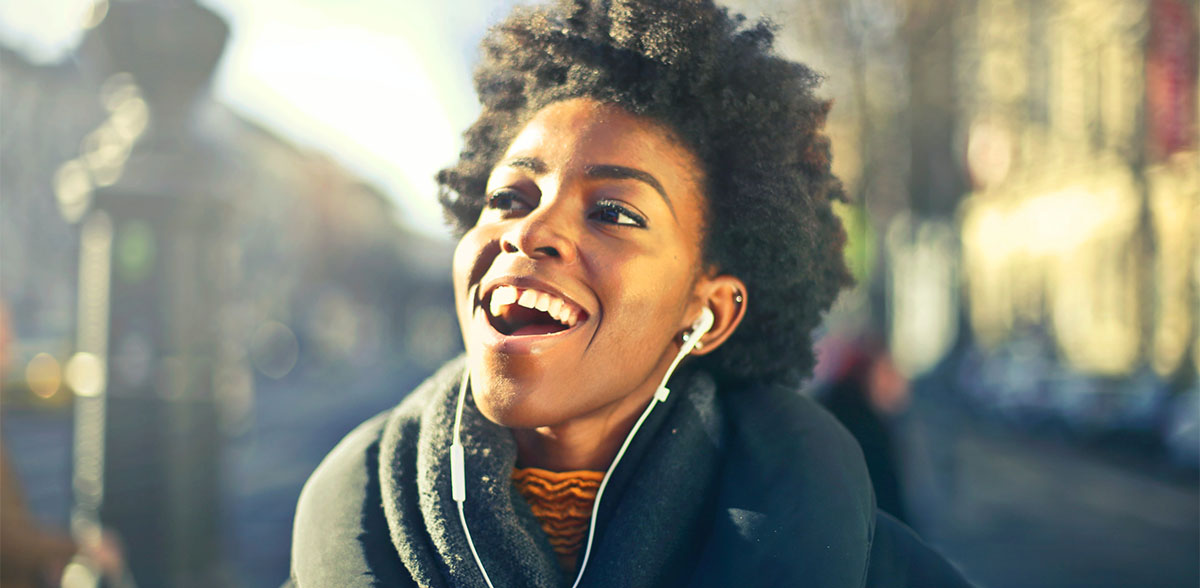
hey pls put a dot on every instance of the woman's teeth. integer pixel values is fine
(558, 309)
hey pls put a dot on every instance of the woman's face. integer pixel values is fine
(594, 218)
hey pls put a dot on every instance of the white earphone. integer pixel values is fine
(700, 326)
(458, 476)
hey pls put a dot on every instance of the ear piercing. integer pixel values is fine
(737, 296)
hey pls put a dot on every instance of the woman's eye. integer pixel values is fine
(615, 214)
(505, 200)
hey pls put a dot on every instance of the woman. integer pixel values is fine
(646, 189)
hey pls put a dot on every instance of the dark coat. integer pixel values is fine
(749, 487)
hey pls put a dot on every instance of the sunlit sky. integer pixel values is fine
(381, 85)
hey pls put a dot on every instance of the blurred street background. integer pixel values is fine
(220, 250)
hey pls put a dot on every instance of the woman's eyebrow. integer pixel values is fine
(615, 172)
(620, 172)
(531, 164)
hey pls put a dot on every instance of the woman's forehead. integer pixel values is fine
(584, 131)
(587, 129)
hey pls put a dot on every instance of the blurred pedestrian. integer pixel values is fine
(31, 555)
(34, 555)
(866, 392)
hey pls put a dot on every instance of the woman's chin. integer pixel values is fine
(506, 412)
(506, 403)
(514, 392)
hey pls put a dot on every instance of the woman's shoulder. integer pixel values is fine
(789, 437)
(798, 474)
(340, 529)
(794, 499)
(337, 508)
(347, 462)
(358, 451)
(353, 462)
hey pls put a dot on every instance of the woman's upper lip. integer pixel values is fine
(527, 282)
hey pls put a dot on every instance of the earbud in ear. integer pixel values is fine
(703, 323)
(691, 339)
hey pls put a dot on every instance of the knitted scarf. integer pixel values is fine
(753, 487)
(638, 541)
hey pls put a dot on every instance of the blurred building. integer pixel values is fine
(1081, 143)
(1024, 186)
(1080, 248)
(161, 254)
(1024, 224)
(304, 229)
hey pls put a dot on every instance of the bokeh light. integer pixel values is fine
(44, 375)
(73, 187)
(135, 250)
(85, 374)
(274, 350)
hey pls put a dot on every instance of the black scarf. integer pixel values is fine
(640, 540)
(754, 487)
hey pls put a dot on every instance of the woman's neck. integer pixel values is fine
(585, 443)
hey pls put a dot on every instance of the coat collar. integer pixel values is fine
(714, 487)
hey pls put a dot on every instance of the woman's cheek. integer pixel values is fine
(472, 256)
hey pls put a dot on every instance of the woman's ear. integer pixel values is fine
(726, 296)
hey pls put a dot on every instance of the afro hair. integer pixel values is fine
(748, 115)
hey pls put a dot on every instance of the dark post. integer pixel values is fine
(164, 214)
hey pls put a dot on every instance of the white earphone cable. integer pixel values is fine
(700, 327)
(458, 460)
(458, 477)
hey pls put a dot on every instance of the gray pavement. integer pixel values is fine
(1013, 509)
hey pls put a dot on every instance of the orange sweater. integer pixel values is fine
(562, 501)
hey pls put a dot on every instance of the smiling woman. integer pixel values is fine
(602, 210)
(646, 244)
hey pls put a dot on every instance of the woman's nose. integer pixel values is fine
(546, 232)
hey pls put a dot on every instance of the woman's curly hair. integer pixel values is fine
(748, 115)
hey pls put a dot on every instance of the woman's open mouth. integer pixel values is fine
(516, 312)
